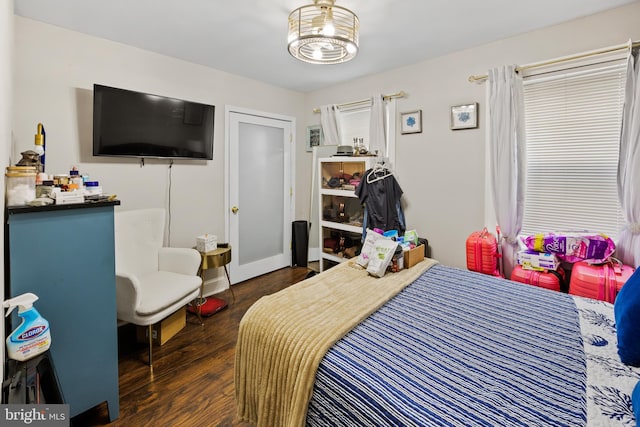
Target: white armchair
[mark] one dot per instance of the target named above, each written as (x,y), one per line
(152,281)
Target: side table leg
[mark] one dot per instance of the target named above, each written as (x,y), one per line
(198,301)
(233,295)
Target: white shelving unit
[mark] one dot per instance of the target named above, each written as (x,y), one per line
(340,211)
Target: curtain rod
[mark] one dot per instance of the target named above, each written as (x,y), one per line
(400,94)
(480,78)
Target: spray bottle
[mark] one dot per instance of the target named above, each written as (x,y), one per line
(32,337)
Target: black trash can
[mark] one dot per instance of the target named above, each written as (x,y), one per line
(299,243)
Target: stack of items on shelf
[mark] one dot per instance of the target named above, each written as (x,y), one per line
(384,251)
(63,189)
(343,181)
(343,210)
(26,187)
(594,272)
(341,244)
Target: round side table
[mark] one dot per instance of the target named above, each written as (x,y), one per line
(216,258)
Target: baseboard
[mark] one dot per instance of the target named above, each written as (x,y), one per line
(314,254)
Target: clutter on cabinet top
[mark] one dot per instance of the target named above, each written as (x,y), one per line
(30,158)
(344,150)
(28,184)
(24,186)
(359,148)
(35,157)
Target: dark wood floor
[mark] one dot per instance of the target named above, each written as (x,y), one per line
(192,379)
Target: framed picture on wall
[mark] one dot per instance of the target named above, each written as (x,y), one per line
(464,116)
(411,122)
(314,137)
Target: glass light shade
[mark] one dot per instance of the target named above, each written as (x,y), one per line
(323,33)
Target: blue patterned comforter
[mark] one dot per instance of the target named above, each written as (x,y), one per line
(457,348)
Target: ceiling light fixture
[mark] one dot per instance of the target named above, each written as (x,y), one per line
(323,33)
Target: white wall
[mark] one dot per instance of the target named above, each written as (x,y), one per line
(442,171)
(55,70)
(6,43)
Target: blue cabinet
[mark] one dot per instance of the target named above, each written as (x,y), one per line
(65,255)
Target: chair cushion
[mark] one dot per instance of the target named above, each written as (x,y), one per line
(139,235)
(161,289)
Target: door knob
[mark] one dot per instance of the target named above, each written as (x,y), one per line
(234,209)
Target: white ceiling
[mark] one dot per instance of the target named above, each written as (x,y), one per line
(248,37)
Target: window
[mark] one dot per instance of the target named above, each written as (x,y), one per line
(573,120)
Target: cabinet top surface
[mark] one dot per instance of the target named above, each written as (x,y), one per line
(12,210)
(338,159)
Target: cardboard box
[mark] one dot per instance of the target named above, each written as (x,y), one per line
(413,256)
(540,261)
(165,329)
(206,243)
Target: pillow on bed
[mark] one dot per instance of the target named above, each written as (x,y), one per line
(635,401)
(626,310)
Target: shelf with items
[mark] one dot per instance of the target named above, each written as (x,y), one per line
(338,211)
(340,173)
(343,227)
(341,213)
(340,245)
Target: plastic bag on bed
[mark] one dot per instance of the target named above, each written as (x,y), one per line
(370,240)
(572,246)
(380,257)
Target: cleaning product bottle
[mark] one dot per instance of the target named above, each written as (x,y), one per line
(32,337)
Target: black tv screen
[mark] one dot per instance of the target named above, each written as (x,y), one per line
(134,124)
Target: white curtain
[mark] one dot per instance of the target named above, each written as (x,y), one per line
(329,123)
(628,244)
(507,154)
(376,127)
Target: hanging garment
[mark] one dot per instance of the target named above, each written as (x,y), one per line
(380,193)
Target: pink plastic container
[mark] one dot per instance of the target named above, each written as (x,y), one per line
(548,279)
(599,281)
(482,252)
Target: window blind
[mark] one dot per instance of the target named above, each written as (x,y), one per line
(573,121)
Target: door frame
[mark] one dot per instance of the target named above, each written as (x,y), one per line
(227,163)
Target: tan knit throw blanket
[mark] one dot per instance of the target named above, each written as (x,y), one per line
(284,336)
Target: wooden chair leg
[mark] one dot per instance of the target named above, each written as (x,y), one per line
(150,346)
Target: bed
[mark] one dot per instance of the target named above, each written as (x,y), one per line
(430,345)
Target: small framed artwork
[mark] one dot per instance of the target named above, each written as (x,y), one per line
(464,116)
(314,136)
(411,122)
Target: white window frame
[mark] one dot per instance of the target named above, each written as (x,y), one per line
(354,122)
(540,74)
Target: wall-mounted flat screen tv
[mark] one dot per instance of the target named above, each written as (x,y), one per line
(134,124)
